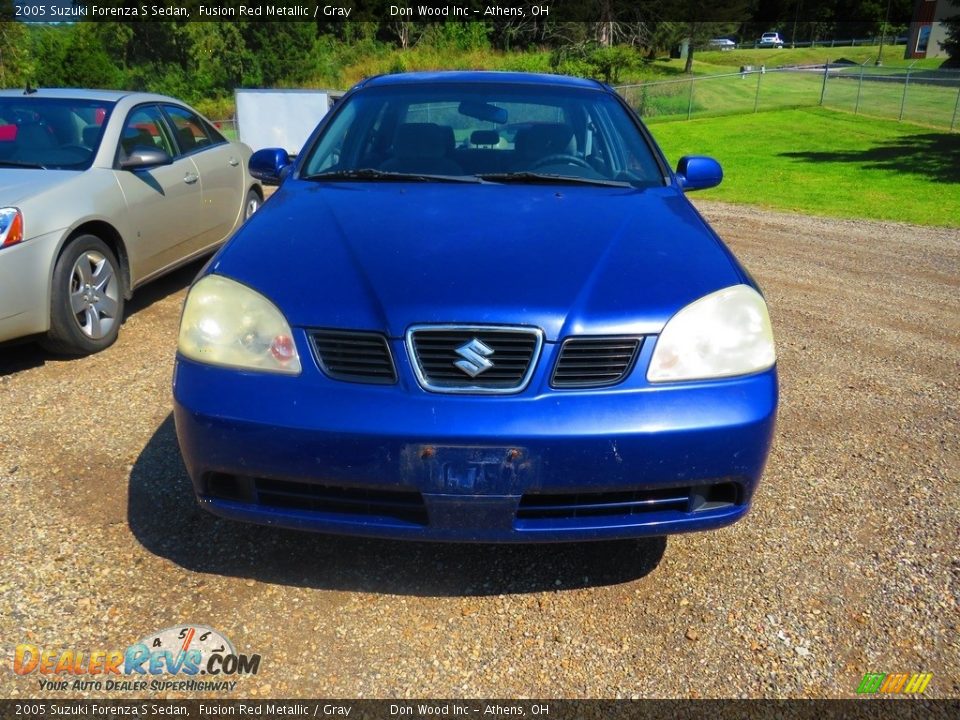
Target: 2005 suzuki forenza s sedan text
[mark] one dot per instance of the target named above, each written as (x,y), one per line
(478,308)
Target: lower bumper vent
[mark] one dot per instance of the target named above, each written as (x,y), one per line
(632,502)
(406,506)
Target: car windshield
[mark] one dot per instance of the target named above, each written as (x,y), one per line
(48,133)
(497,132)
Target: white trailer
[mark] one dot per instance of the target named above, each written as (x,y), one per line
(281,118)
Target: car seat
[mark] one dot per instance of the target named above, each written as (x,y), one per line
(536,142)
(423,148)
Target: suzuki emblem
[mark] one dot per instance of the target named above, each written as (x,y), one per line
(474,354)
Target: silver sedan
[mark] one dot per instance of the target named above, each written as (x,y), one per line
(100,192)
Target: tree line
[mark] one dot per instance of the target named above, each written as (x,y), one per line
(208,60)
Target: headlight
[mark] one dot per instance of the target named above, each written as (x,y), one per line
(11,226)
(722,334)
(227,323)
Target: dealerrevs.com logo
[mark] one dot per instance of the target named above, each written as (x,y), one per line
(188,651)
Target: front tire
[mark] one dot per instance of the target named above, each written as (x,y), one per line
(251,204)
(86,304)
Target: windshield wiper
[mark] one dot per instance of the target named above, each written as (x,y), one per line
(389,176)
(535,177)
(14,163)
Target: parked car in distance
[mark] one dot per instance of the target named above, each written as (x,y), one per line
(722,44)
(770,40)
(530,337)
(101,191)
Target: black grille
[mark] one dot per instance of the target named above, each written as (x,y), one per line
(513,358)
(403,505)
(630,502)
(354,356)
(594,362)
(399,505)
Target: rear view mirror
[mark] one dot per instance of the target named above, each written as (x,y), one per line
(483,111)
(141,157)
(698,172)
(268,165)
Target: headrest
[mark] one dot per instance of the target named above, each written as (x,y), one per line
(423,140)
(187,139)
(136,137)
(543,140)
(34,135)
(484,137)
(90,134)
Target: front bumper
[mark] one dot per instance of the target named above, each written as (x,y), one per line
(25,271)
(395,461)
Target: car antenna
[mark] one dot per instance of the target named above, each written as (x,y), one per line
(29,90)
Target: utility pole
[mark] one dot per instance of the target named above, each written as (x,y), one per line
(3,73)
(793,35)
(883,32)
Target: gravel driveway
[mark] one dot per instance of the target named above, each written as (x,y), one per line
(847,564)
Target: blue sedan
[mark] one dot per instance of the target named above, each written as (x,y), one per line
(479,307)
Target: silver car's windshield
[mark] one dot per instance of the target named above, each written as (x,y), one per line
(51,133)
(490,131)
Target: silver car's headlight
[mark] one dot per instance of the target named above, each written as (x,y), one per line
(11,226)
(227,323)
(722,334)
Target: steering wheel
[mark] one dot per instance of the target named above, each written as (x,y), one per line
(561,159)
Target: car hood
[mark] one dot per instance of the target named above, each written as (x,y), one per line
(18,184)
(568,259)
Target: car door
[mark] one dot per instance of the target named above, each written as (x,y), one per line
(164,202)
(221,170)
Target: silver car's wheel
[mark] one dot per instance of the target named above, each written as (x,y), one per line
(252,204)
(94,294)
(86,307)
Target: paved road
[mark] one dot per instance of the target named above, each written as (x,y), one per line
(847,564)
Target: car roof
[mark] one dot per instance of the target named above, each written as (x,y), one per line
(84,94)
(482,76)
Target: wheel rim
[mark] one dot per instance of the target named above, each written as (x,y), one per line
(94,295)
(253,204)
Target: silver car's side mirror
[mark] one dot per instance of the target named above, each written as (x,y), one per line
(141,157)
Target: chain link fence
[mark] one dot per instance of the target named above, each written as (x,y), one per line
(927,97)
(228,128)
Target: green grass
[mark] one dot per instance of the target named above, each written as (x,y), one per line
(929,101)
(705,62)
(433,58)
(932,101)
(713,61)
(430,58)
(823,162)
(724,95)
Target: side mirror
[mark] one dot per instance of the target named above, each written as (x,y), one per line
(698,172)
(141,157)
(269,165)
